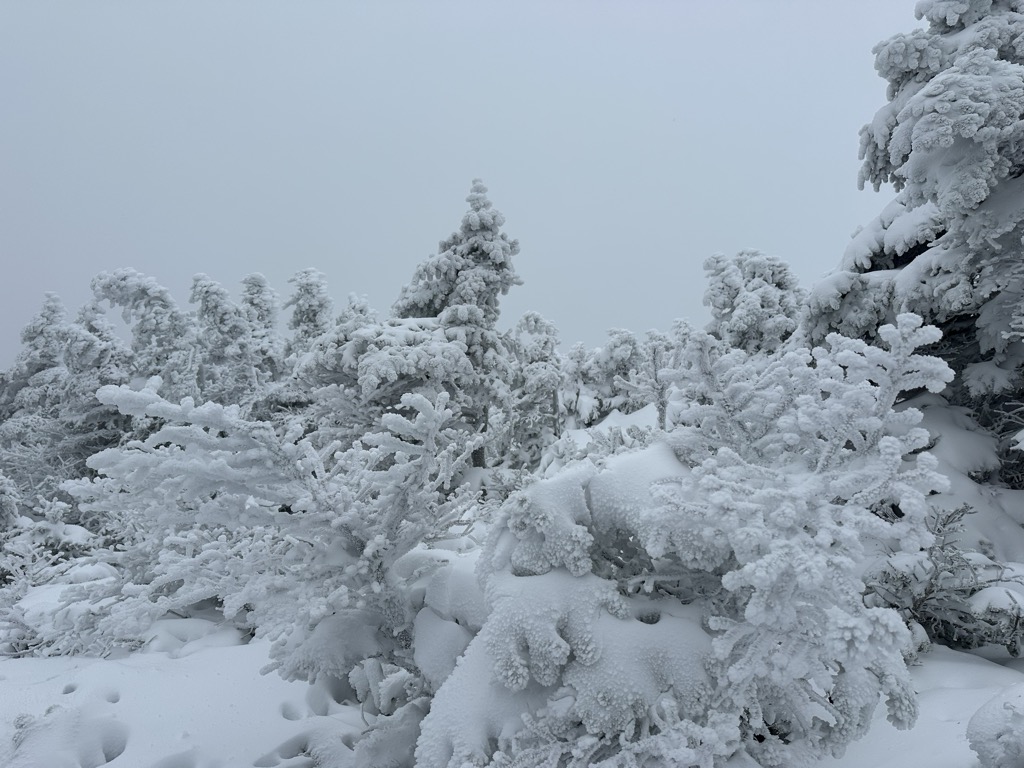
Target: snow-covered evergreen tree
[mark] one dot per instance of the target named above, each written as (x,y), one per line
(461,286)
(651,382)
(42,350)
(755,515)
(260,305)
(755,300)
(226,371)
(210,508)
(536,419)
(608,378)
(51,420)
(94,356)
(951,142)
(30,403)
(472,267)
(240,350)
(164,339)
(312,310)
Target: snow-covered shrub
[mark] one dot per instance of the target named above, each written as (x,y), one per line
(50,420)
(34,553)
(739,538)
(961,598)
(402,486)
(593,379)
(572,671)
(290,541)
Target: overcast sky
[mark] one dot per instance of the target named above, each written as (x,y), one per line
(625,142)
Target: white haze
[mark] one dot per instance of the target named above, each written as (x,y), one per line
(625,143)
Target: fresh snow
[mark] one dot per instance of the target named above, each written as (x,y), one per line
(198,702)
(201,704)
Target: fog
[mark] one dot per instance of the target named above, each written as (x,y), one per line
(624,142)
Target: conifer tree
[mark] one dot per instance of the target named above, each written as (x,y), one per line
(537,418)
(42,344)
(472,267)
(94,357)
(164,339)
(950,141)
(52,421)
(226,373)
(755,300)
(461,286)
(312,310)
(31,402)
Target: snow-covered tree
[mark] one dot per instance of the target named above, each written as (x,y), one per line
(356,315)
(599,381)
(42,350)
(536,418)
(226,370)
(260,305)
(754,515)
(951,142)
(164,339)
(94,356)
(281,535)
(461,286)
(52,421)
(472,267)
(651,382)
(30,403)
(312,310)
(240,350)
(755,300)
(350,378)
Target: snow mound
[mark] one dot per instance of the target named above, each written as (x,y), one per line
(996,731)
(67,738)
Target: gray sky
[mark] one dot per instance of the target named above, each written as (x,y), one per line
(624,141)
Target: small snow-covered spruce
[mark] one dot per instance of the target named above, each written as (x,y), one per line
(406,490)
(50,420)
(34,552)
(296,543)
(236,347)
(312,310)
(472,267)
(755,300)
(536,418)
(164,339)
(651,382)
(260,306)
(209,506)
(358,371)
(961,598)
(757,512)
(602,380)
(800,459)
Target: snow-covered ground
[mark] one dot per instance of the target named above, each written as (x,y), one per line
(951,687)
(201,702)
